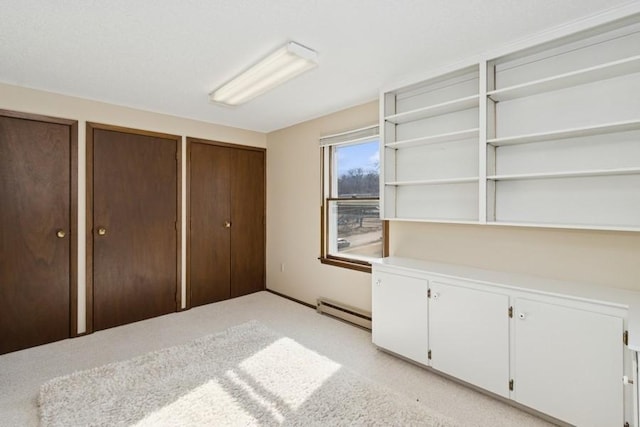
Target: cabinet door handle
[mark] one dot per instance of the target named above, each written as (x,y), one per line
(435,295)
(522,316)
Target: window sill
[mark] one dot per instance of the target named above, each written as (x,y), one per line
(351,265)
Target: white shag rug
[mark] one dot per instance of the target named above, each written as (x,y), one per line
(246,375)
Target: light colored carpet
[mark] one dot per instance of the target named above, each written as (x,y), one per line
(246,375)
(22,373)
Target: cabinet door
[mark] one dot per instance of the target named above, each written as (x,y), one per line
(399,315)
(569,363)
(469,335)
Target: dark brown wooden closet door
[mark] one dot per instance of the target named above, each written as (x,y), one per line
(209,256)
(35,203)
(248,228)
(134,227)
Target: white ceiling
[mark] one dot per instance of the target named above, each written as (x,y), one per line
(167,55)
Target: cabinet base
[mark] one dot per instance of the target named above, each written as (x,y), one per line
(509,402)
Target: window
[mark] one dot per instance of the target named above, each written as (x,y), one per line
(352,232)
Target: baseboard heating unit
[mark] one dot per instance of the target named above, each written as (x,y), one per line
(344,312)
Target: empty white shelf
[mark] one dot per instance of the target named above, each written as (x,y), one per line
(435,139)
(566,174)
(434,220)
(435,181)
(566,133)
(586,75)
(435,110)
(564,225)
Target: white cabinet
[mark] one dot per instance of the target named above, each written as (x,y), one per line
(469,334)
(568,363)
(547,135)
(400,315)
(556,347)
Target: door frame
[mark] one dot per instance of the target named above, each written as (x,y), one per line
(91,126)
(190,141)
(73,206)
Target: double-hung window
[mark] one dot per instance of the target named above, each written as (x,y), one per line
(352,231)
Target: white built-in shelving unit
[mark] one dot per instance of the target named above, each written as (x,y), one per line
(546,135)
(431,133)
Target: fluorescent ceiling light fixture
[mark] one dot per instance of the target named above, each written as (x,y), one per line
(284,64)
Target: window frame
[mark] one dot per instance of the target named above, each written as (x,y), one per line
(329,179)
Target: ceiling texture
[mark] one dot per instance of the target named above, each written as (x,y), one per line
(167,55)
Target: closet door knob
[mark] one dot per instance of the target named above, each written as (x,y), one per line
(61,234)
(102,231)
(227,224)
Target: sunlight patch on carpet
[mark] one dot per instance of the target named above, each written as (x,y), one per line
(268,404)
(246,375)
(289,371)
(212,395)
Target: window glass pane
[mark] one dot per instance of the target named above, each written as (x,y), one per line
(358,169)
(355,229)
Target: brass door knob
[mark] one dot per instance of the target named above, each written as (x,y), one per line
(102,231)
(227,224)
(61,234)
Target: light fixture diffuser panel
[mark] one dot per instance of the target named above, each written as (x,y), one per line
(282,65)
(302,52)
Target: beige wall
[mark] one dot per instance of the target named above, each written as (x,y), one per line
(68,107)
(293,212)
(601,257)
(293,218)
(39,102)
